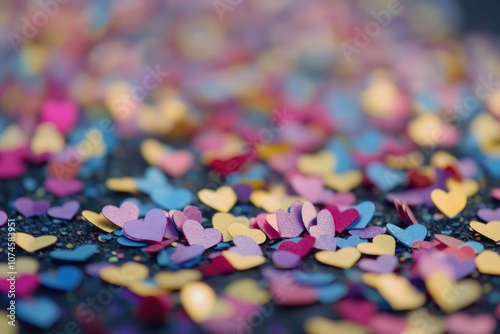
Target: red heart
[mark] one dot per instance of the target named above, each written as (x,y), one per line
(229,166)
(154,309)
(218,266)
(358,311)
(342,219)
(301,248)
(462,253)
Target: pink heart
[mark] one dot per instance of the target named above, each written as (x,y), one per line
(176,163)
(463,323)
(290,224)
(360,311)
(119,216)
(25,285)
(309,214)
(196,235)
(3,217)
(292,294)
(381,265)
(63,114)
(29,208)
(383,323)
(189,213)
(152,228)
(60,187)
(283,163)
(11,165)
(342,218)
(265,227)
(309,187)
(495,193)
(325,224)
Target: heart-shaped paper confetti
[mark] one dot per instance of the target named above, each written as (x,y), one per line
(290,224)
(222,199)
(240,262)
(324,224)
(468,187)
(221,221)
(302,248)
(343,258)
(32,244)
(198,300)
(381,245)
(29,208)
(119,216)
(172,198)
(320,163)
(488,214)
(488,263)
(175,280)
(381,265)
(409,235)
(41,312)
(152,228)
(399,293)
(196,235)
(368,232)
(125,274)
(79,254)
(452,296)
(183,254)
(245,245)
(98,220)
(326,242)
(61,187)
(451,203)
(342,219)
(239,229)
(65,278)
(365,211)
(490,230)
(66,211)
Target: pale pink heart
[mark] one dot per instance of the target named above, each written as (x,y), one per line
(384,323)
(283,163)
(63,114)
(272,221)
(495,193)
(152,228)
(342,200)
(310,188)
(176,163)
(309,214)
(197,235)
(463,323)
(119,216)
(61,187)
(290,224)
(261,222)
(189,213)
(324,224)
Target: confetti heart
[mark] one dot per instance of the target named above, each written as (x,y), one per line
(320,163)
(239,229)
(383,177)
(3,217)
(172,199)
(196,235)
(352,241)
(32,244)
(489,215)
(331,293)
(264,226)
(311,188)
(64,278)
(152,228)
(125,274)
(381,265)
(98,220)
(124,241)
(79,254)
(189,213)
(381,245)
(452,296)
(222,199)
(153,179)
(29,208)
(468,187)
(342,219)
(66,211)
(318,325)
(399,292)
(451,203)
(239,262)
(26,284)
(24,265)
(171,230)
(292,294)
(285,259)
(218,266)
(47,140)
(63,114)
(343,258)
(221,221)
(488,263)
(368,232)
(61,187)
(245,246)
(365,211)
(119,216)
(302,248)
(463,323)
(183,253)
(309,215)
(40,312)
(176,163)
(490,230)
(324,224)
(326,242)
(175,280)
(123,184)
(248,290)
(344,182)
(243,192)
(448,241)
(290,224)
(198,300)
(409,235)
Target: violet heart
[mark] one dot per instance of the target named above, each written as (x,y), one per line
(368,232)
(3,217)
(61,187)
(119,216)
(285,259)
(310,188)
(290,224)
(461,323)
(324,224)
(152,228)
(189,213)
(461,268)
(197,235)
(29,208)
(326,242)
(243,191)
(489,215)
(171,230)
(244,245)
(65,211)
(381,265)
(184,253)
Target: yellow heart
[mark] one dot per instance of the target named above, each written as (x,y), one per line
(490,230)
(152,151)
(32,244)
(198,300)
(383,244)
(452,296)
(47,139)
(239,229)
(269,150)
(240,262)
(5,328)
(488,263)
(144,289)
(98,220)
(248,290)
(273,200)
(320,325)
(442,160)
(342,258)
(221,221)
(12,137)
(321,163)
(222,199)
(24,265)
(399,292)
(122,184)
(345,181)
(422,322)
(175,280)
(451,203)
(468,187)
(125,274)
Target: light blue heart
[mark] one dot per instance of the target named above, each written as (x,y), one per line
(65,278)
(313,278)
(79,254)
(40,312)
(331,293)
(153,178)
(383,177)
(352,241)
(478,247)
(366,211)
(172,199)
(124,241)
(409,235)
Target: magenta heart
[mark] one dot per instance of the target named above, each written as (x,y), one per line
(152,228)
(171,230)
(184,253)
(309,187)
(196,235)
(290,224)
(381,265)
(119,216)
(342,218)
(29,208)
(26,284)
(367,232)
(11,165)
(65,211)
(383,323)
(324,224)
(495,193)
(189,213)
(463,323)
(244,245)
(265,227)
(61,187)
(63,114)
(489,215)
(3,217)
(326,242)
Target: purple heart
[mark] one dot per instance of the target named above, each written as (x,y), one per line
(63,187)
(367,233)
(65,211)
(489,215)
(381,265)
(29,208)
(185,253)
(311,188)
(196,235)
(152,228)
(290,224)
(243,192)
(189,213)
(3,218)
(326,242)
(245,246)
(119,216)
(285,259)
(461,268)
(171,230)
(325,224)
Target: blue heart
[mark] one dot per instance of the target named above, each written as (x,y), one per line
(352,241)
(409,235)
(124,241)
(331,293)
(153,178)
(383,177)
(65,278)
(40,312)
(163,259)
(256,173)
(79,254)
(313,278)
(172,199)
(366,211)
(344,160)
